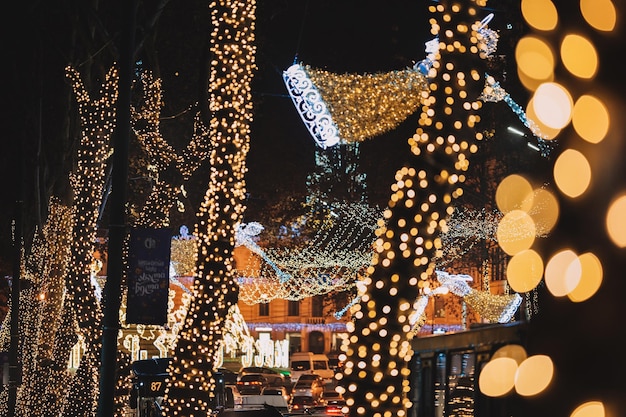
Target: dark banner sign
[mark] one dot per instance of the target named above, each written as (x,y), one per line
(148,276)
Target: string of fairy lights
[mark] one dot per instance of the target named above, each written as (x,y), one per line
(230,105)
(42,316)
(384,101)
(375,377)
(324,264)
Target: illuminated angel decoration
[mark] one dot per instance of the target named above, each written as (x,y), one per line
(494,308)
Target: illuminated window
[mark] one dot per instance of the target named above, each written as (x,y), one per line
(293,308)
(264,309)
(317,306)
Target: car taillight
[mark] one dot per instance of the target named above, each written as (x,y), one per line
(333,409)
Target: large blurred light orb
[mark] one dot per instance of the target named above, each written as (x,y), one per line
(530,83)
(534,58)
(590,278)
(547,132)
(545,211)
(616,221)
(514,193)
(524,271)
(553,105)
(516,232)
(590,119)
(600,14)
(572,173)
(516,352)
(589,409)
(562,273)
(497,378)
(579,56)
(534,375)
(540,14)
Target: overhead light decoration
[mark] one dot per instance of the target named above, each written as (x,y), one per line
(326,102)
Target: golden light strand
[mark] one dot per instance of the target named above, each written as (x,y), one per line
(377,384)
(230,104)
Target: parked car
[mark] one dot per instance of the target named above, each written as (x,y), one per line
(301,404)
(329,410)
(311,385)
(277,390)
(272,376)
(251,384)
(234,399)
(330,396)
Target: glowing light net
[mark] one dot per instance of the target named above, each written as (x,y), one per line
(338,256)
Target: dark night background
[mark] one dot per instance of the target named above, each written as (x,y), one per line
(39,39)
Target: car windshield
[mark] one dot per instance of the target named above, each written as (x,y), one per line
(300,365)
(273,391)
(252,378)
(252,370)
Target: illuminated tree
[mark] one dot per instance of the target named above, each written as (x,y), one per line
(230,105)
(376,370)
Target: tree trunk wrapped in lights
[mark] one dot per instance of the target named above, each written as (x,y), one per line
(376,373)
(230,105)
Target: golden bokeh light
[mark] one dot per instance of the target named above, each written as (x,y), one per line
(591,118)
(563,273)
(516,352)
(545,211)
(534,58)
(530,83)
(514,193)
(590,278)
(497,377)
(600,14)
(589,409)
(616,221)
(524,271)
(553,105)
(572,173)
(534,375)
(516,232)
(548,132)
(579,56)
(540,14)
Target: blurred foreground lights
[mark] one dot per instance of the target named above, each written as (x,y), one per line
(589,409)
(553,105)
(516,232)
(540,14)
(524,271)
(544,211)
(563,273)
(514,193)
(591,276)
(510,368)
(577,277)
(591,119)
(497,378)
(534,375)
(572,173)
(616,221)
(579,56)
(600,14)
(516,352)
(535,61)
(549,133)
